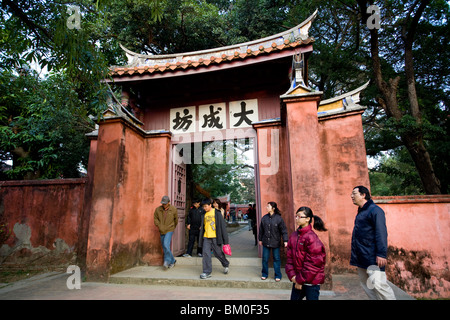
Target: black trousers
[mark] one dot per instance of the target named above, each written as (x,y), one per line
(193,236)
(310,292)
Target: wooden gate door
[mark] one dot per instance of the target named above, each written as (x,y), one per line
(178,200)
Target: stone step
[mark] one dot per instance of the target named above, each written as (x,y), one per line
(189,275)
(234,261)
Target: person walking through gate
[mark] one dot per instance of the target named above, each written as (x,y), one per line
(194,222)
(369,246)
(166,220)
(252,217)
(305,259)
(213,234)
(217,204)
(271,229)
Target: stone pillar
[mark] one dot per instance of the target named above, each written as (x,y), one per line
(344,158)
(104,190)
(130,177)
(307,172)
(273,172)
(83,227)
(155,185)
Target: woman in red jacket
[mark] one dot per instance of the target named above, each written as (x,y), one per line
(306,256)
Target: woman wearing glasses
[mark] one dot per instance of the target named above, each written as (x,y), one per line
(306,256)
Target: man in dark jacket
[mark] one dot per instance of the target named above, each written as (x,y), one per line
(369,246)
(193,224)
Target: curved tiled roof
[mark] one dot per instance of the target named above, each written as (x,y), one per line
(139,64)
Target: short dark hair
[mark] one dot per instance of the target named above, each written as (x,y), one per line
(207,201)
(363,190)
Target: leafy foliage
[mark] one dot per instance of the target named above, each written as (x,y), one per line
(395,175)
(45,131)
(219,174)
(31,31)
(43,119)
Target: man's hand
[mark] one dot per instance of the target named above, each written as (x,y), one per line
(381,262)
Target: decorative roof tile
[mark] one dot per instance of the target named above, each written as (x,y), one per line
(149,64)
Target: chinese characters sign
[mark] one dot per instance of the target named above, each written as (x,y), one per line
(241,114)
(182,120)
(212,117)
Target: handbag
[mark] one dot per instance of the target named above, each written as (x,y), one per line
(227,249)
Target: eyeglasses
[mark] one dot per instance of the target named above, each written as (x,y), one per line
(300,217)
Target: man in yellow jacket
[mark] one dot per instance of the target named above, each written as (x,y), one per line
(166,219)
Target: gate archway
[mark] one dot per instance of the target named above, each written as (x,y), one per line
(309,152)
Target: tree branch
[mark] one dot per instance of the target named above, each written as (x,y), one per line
(409,63)
(34,27)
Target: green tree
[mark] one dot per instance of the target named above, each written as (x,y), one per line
(45,132)
(395,175)
(399,96)
(224,170)
(181,26)
(406,59)
(43,121)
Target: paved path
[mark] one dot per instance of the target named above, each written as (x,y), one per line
(53,285)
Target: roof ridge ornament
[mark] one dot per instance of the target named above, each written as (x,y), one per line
(297,33)
(298,68)
(117,109)
(350,98)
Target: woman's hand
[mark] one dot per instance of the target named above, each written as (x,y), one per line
(297,285)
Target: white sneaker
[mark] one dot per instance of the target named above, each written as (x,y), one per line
(225,270)
(205,275)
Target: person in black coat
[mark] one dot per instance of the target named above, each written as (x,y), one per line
(193,224)
(251,213)
(271,230)
(369,246)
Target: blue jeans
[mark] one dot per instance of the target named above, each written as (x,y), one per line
(310,292)
(165,242)
(276,262)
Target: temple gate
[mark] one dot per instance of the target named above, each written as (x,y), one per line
(308,152)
